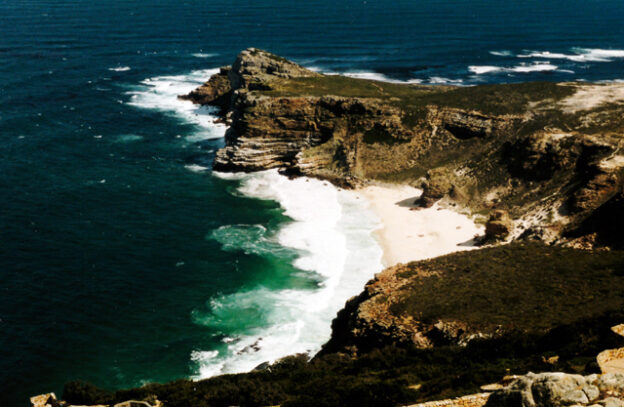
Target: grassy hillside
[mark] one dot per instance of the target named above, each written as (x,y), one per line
(525,286)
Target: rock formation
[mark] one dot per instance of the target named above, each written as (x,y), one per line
(499,226)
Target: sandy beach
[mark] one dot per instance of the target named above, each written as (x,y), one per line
(410,233)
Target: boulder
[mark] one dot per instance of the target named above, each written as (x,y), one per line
(560,389)
(499,226)
(44,400)
(611,383)
(611,402)
(439,184)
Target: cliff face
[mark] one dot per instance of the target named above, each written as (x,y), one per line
(539,151)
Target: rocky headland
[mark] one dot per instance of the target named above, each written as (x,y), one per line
(538,163)
(547,155)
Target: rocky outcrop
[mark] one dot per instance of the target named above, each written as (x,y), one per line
(44,400)
(560,389)
(464,124)
(253,69)
(612,360)
(473,400)
(49,400)
(499,226)
(216,92)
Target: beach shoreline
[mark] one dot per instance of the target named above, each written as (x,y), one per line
(411,233)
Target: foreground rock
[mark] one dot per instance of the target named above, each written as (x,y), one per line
(44,400)
(544,390)
(49,400)
(559,389)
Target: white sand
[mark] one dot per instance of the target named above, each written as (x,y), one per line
(414,234)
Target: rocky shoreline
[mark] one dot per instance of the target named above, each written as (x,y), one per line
(535,160)
(538,163)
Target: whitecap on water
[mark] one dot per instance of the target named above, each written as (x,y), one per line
(438,80)
(204,55)
(195,168)
(161,93)
(502,53)
(579,55)
(119,69)
(375,76)
(521,68)
(331,230)
(249,239)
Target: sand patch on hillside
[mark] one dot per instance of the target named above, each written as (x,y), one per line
(589,97)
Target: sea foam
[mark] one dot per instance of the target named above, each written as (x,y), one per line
(331,230)
(161,93)
(204,55)
(522,68)
(579,55)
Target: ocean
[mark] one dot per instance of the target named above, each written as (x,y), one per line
(124,260)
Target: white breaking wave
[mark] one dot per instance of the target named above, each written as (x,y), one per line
(370,75)
(481,69)
(161,93)
(438,80)
(434,80)
(579,55)
(502,53)
(120,69)
(535,67)
(522,68)
(195,168)
(331,229)
(204,55)
(374,76)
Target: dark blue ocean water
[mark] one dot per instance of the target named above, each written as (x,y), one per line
(115,247)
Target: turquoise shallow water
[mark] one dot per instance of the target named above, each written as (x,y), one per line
(123,261)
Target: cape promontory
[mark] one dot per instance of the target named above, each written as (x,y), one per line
(547,154)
